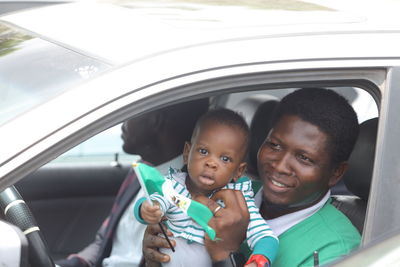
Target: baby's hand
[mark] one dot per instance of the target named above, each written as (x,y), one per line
(151,214)
(257,260)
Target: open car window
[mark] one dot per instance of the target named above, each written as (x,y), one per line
(104,147)
(91,166)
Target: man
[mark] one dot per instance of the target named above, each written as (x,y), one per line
(158,137)
(304,155)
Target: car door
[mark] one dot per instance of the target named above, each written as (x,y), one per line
(72,195)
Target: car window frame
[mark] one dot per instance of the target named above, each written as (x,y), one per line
(179,89)
(211,82)
(382,218)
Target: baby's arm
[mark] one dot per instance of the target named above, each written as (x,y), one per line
(147,214)
(260,238)
(151,213)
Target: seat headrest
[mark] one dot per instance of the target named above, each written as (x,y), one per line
(257,111)
(359,174)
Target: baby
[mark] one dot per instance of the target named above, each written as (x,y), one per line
(215,159)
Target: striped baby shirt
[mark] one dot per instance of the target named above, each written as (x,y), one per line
(259,236)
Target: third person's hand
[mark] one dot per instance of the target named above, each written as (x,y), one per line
(230,222)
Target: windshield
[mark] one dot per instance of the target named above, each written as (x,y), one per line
(33,70)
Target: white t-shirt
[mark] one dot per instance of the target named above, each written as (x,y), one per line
(282,223)
(127,244)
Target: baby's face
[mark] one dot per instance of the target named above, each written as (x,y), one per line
(215,157)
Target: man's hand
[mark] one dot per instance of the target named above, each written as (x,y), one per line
(151,213)
(230,222)
(152,242)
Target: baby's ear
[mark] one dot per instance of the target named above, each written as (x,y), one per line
(240,171)
(186,151)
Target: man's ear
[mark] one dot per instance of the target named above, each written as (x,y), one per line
(338,173)
(186,151)
(240,171)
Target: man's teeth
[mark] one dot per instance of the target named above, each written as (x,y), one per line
(278,184)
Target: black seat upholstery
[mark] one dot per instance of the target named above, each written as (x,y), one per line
(257,111)
(358,177)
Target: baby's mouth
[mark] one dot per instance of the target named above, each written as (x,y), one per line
(206,179)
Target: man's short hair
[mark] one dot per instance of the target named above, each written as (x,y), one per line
(327,110)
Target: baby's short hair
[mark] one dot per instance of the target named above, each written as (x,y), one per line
(225,117)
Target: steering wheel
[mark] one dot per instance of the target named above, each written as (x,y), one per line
(17,212)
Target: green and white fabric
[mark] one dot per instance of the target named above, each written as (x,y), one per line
(154,183)
(260,237)
(320,228)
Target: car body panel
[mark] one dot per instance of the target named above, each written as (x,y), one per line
(181,27)
(382,252)
(386,182)
(9,6)
(117,33)
(169,61)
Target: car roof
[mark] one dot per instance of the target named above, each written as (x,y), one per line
(118,34)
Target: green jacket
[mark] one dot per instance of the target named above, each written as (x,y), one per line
(328,231)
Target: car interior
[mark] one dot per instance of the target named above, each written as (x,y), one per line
(351,195)
(357,178)
(71,199)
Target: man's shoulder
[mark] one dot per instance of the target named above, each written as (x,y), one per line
(336,221)
(327,227)
(328,222)
(328,231)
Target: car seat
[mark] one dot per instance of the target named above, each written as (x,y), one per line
(257,111)
(359,175)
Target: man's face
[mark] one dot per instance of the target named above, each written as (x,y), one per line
(214,157)
(294,163)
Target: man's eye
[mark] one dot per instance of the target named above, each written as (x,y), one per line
(304,158)
(203,151)
(274,146)
(226,159)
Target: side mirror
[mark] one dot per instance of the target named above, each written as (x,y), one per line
(14,246)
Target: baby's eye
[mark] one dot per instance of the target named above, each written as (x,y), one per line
(203,151)
(226,159)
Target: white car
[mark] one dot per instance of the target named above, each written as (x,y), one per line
(70,71)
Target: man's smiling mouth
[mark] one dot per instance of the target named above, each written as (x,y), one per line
(281,185)
(278,184)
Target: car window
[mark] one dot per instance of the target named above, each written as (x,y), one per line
(105,146)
